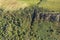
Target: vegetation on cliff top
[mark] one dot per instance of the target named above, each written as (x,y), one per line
(16,4)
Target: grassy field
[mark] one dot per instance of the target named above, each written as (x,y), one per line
(16,4)
(51,4)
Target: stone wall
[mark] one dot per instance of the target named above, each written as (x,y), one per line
(49,16)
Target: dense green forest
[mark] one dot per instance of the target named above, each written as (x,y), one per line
(28,24)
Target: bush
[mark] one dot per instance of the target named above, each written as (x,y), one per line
(16,25)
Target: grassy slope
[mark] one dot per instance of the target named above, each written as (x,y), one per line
(51,4)
(17,26)
(16,4)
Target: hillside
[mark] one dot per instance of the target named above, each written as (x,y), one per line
(29,20)
(16,4)
(51,4)
(29,24)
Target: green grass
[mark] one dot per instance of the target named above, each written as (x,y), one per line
(16,4)
(51,4)
(30,1)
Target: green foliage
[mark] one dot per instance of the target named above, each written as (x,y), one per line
(16,25)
